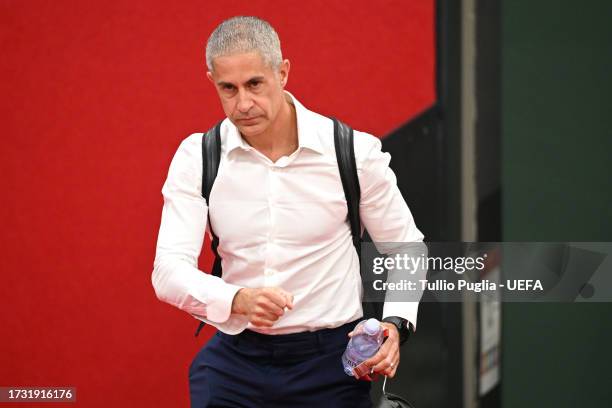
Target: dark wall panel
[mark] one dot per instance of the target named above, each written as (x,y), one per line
(556,144)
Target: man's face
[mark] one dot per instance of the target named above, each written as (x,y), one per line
(251,91)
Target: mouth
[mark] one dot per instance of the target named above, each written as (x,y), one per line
(248,120)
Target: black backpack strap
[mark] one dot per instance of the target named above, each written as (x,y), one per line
(345,154)
(211,157)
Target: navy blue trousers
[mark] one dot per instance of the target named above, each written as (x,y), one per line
(295,370)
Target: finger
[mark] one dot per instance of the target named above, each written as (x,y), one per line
(259,322)
(390,372)
(289,297)
(265,316)
(278,296)
(394,370)
(390,369)
(383,366)
(380,355)
(389,365)
(264,305)
(391,358)
(361,371)
(371,377)
(275,296)
(272,317)
(365,378)
(268,306)
(350,334)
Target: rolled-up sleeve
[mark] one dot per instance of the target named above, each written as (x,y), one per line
(386,216)
(176,277)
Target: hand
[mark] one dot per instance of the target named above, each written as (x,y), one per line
(262,306)
(386,360)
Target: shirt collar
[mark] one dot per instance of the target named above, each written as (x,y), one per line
(308,135)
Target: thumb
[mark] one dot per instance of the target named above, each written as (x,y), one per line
(290,301)
(288,298)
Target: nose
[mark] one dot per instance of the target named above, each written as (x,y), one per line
(244,101)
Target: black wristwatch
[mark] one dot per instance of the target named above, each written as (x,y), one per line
(404,327)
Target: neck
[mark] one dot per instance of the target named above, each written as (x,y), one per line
(280,138)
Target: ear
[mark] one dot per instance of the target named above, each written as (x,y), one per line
(209,75)
(284,72)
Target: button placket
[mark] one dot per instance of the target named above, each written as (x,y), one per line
(269,271)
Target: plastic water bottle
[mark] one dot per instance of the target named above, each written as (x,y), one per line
(367,337)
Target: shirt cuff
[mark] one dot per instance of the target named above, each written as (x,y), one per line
(219,307)
(406,310)
(234,325)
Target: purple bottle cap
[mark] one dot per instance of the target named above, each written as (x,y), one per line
(371,326)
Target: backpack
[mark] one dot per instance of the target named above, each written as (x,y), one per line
(345,155)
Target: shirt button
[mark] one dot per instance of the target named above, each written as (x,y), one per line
(269,272)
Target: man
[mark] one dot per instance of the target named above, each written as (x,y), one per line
(291,289)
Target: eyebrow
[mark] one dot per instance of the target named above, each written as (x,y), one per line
(250,80)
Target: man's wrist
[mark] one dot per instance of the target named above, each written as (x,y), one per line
(237,304)
(404,327)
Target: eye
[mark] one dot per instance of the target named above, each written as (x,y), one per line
(227,87)
(254,84)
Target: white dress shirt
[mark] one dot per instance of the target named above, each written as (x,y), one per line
(280,223)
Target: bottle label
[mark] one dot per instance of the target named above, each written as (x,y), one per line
(362,369)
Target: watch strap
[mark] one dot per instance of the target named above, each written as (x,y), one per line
(404,327)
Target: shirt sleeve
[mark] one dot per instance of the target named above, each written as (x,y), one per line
(388,220)
(176,277)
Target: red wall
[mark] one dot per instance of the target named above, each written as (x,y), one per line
(95,99)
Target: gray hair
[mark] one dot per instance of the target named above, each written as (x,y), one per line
(244,34)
